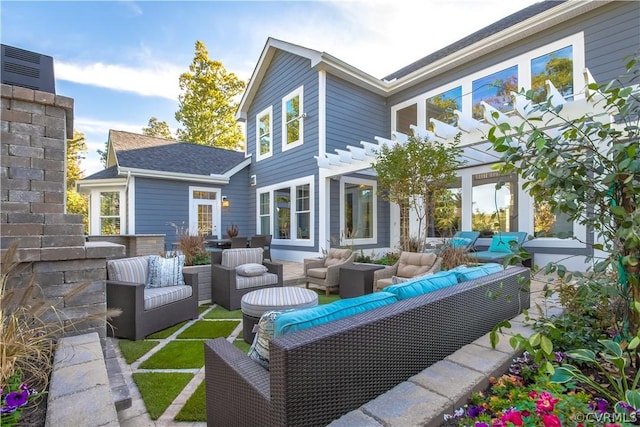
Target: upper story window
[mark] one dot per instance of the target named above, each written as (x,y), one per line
(557,67)
(561,62)
(264,134)
(495,89)
(442,106)
(292,124)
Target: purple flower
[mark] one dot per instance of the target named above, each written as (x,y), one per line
(8,409)
(482,425)
(475,411)
(560,356)
(598,405)
(16,399)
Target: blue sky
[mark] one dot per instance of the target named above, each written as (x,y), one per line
(120,60)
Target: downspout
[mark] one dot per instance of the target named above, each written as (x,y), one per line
(126,196)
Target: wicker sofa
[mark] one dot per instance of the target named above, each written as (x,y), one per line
(319,374)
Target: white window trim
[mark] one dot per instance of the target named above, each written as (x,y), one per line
(307,180)
(298,92)
(94,209)
(266,112)
(362,241)
(193,212)
(523,61)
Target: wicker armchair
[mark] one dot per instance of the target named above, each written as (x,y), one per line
(410,264)
(325,272)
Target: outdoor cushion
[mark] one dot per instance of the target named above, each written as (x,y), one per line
(318,273)
(234,257)
(244,282)
(165,271)
(502,243)
(259,350)
(469,273)
(413,264)
(422,285)
(336,256)
(132,270)
(251,269)
(460,242)
(297,320)
(156,297)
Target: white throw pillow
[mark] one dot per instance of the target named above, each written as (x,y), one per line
(165,271)
(251,269)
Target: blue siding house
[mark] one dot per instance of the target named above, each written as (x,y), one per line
(313,123)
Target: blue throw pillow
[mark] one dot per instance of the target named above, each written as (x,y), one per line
(502,243)
(469,273)
(423,284)
(296,320)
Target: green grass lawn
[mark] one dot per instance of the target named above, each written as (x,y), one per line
(184,351)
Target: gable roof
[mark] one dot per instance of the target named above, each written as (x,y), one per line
(144,155)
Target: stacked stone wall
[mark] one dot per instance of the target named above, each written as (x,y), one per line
(51,245)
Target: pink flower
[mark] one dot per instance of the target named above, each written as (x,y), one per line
(512,416)
(533,394)
(546,402)
(550,420)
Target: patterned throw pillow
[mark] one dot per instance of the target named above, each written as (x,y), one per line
(251,269)
(165,271)
(259,350)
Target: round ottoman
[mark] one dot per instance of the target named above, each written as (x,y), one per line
(255,303)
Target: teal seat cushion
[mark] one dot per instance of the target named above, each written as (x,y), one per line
(460,242)
(469,273)
(423,284)
(297,320)
(502,244)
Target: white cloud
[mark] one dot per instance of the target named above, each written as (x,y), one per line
(159,80)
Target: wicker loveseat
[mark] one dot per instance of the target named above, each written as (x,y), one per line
(145,308)
(319,374)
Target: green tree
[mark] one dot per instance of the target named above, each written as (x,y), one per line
(589,171)
(103,154)
(76,202)
(206,106)
(158,129)
(417,173)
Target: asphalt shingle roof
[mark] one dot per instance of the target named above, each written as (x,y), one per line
(165,155)
(479,35)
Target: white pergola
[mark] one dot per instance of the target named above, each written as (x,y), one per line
(473,133)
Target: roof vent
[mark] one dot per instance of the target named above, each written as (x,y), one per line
(27,69)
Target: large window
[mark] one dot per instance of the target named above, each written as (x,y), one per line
(406,117)
(358,210)
(442,106)
(495,89)
(448,212)
(286,211)
(494,209)
(264,134)
(549,222)
(292,124)
(110,212)
(557,67)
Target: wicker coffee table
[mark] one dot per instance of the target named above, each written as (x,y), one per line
(254,304)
